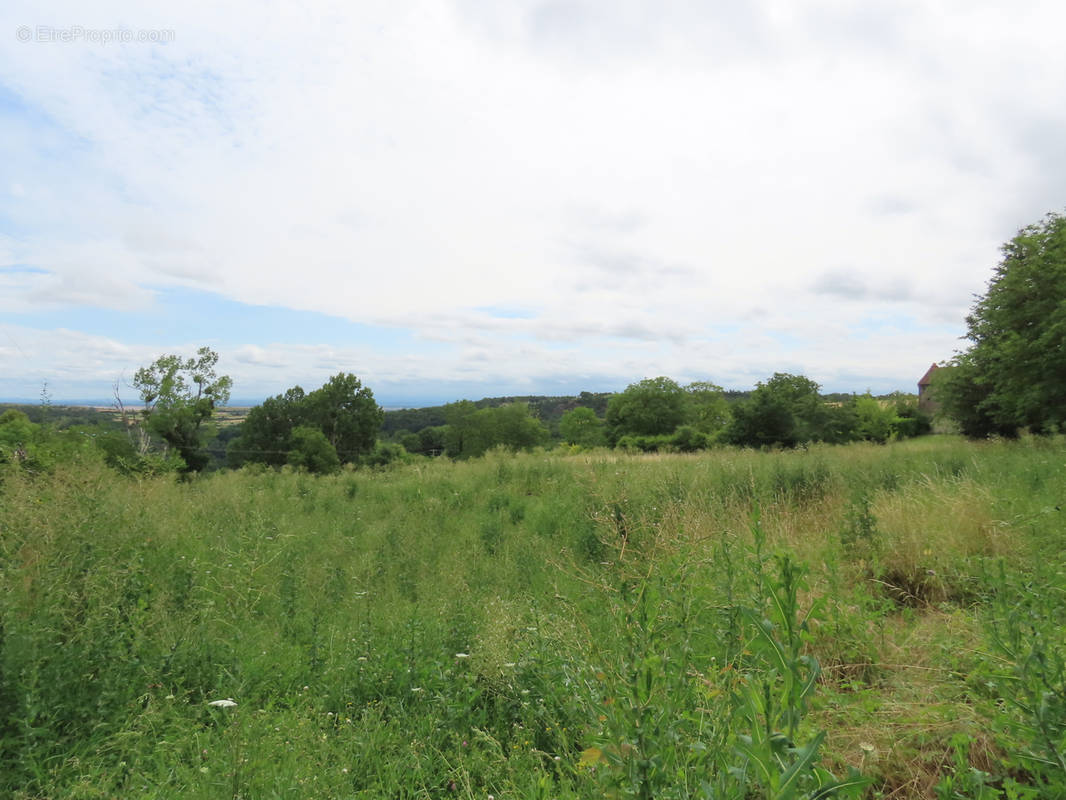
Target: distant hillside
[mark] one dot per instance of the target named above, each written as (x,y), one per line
(548,410)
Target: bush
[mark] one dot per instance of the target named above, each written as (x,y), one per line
(312,451)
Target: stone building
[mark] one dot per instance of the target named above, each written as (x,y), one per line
(925,400)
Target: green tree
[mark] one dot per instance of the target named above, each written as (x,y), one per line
(1014,373)
(343,411)
(431,440)
(459,428)
(179,396)
(874,422)
(346,412)
(17,436)
(707,409)
(651,407)
(409,441)
(581,426)
(266,433)
(312,451)
(786,410)
(472,431)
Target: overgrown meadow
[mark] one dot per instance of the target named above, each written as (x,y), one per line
(851,621)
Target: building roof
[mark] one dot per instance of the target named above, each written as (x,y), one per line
(927,378)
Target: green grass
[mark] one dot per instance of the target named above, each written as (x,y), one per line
(536,626)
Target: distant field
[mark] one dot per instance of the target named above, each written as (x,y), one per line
(542,626)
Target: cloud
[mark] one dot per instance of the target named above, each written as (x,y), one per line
(642,180)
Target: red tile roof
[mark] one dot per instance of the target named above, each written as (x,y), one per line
(927,378)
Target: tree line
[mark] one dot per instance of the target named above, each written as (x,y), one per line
(1012,378)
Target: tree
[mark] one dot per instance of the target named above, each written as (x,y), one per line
(1014,373)
(873,421)
(266,433)
(472,431)
(651,407)
(582,427)
(343,411)
(459,427)
(179,396)
(708,410)
(786,410)
(312,451)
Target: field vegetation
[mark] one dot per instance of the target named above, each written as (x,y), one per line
(857,620)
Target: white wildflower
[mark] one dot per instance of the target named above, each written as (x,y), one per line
(227,703)
(462,655)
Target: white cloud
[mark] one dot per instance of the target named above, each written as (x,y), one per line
(640,176)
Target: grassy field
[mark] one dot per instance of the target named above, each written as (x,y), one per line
(726,625)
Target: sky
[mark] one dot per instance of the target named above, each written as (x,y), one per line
(463,198)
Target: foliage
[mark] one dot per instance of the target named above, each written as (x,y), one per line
(533,626)
(548,409)
(651,407)
(383,454)
(16,433)
(910,420)
(582,427)
(342,410)
(471,432)
(1014,373)
(179,395)
(873,421)
(431,440)
(708,410)
(345,411)
(312,451)
(684,439)
(787,410)
(265,435)
(775,697)
(1029,633)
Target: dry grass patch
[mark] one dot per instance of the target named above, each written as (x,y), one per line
(900,731)
(930,537)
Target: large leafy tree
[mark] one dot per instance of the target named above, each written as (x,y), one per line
(581,426)
(472,431)
(266,433)
(1014,373)
(343,412)
(707,409)
(179,396)
(787,410)
(346,412)
(651,407)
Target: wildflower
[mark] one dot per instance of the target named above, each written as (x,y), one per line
(227,703)
(416,689)
(462,655)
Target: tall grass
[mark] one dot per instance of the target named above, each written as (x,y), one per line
(525,626)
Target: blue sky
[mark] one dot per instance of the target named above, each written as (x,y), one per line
(460,199)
